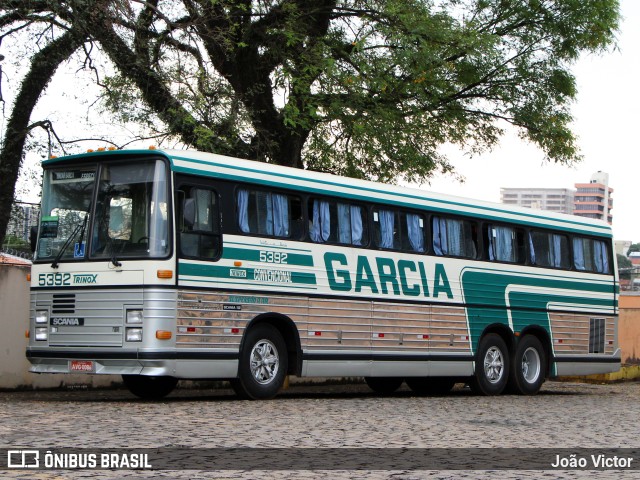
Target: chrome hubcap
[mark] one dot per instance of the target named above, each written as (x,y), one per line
(264,362)
(493,365)
(531,365)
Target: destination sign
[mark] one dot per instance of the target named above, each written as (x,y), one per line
(66,175)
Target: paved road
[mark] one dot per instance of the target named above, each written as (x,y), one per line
(563,415)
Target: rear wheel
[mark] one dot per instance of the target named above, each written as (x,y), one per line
(263,364)
(527,370)
(492,366)
(150,388)
(384,385)
(430,385)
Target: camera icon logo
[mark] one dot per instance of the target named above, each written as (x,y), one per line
(23,459)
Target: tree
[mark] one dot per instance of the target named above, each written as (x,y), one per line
(364,88)
(635,247)
(623,262)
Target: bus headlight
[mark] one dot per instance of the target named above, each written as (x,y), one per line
(42,316)
(134,316)
(42,333)
(134,335)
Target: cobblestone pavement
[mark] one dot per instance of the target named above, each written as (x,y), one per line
(563,415)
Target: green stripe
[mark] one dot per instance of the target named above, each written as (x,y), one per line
(106,153)
(296,259)
(245,286)
(222,272)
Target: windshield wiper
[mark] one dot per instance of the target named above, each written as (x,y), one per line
(81,226)
(113,258)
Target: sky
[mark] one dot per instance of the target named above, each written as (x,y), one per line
(606,122)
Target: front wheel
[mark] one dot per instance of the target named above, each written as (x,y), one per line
(263,364)
(149,388)
(492,366)
(527,369)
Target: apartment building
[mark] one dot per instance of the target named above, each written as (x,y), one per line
(593,199)
(553,199)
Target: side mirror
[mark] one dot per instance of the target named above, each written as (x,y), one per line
(189,212)
(33,238)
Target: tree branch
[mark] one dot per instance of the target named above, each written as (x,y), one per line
(43,65)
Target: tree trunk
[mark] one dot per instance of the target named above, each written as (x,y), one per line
(43,66)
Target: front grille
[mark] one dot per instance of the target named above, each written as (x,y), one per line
(63,303)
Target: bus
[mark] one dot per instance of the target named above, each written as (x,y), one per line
(160,265)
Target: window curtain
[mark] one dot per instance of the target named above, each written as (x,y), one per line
(414,231)
(356,224)
(454,237)
(321,222)
(243,210)
(532,250)
(578,254)
(440,246)
(349,224)
(344,224)
(277,215)
(387,219)
(557,251)
(501,246)
(601,257)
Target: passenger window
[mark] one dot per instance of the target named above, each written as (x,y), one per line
(399,230)
(267,213)
(504,244)
(590,255)
(323,221)
(199,223)
(337,222)
(454,237)
(548,249)
(412,228)
(386,231)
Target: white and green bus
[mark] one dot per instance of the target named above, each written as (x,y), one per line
(166,265)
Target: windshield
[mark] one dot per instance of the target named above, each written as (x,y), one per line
(131,211)
(66,199)
(129,218)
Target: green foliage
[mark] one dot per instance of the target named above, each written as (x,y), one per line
(635,247)
(364,88)
(623,262)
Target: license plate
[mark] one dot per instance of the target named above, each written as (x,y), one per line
(84,366)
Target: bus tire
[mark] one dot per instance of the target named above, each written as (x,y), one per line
(492,366)
(384,385)
(263,364)
(430,385)
(149,388)
(528,366)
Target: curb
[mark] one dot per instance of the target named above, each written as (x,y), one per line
(627,372)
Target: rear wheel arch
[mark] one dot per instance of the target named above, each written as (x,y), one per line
(504,332)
